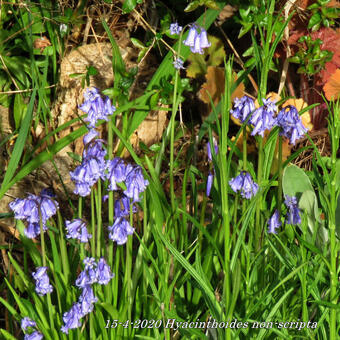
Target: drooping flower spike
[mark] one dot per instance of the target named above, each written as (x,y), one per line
(245,184)
(77,229)
(87,300)
(243,108)
(72,318)
(120,230)
(274,223)
(210,179)
(96,107)
(31,208)
(42,281)
(263,117)
(197,39)
(293,216)
(290,123)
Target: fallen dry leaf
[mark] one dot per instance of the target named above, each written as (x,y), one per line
(214,86)
(332,86)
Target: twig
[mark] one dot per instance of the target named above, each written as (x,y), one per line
(238,58)
(288,6)
(27,90)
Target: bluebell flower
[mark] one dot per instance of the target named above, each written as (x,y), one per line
(274,223)
(82,189)
(94,149)
(93,133)
(120,230)
(116,172)
(293,216)
(87,300)
(135,183)
(178,64)
(72,318)
(87,173)
(290,123)
(210,181)
(243,108)
(104,273)
(77,229)
(33,230)
(204,42)
(42,281)
(175,28)
(211,175)
(27,322)
(89,275)
(89,263)
(122,207)
(263,117)
(96,107)
(209,149)
(195,40)
(33,336)
(48,207)
(245,184)
(190,40)
(28,208)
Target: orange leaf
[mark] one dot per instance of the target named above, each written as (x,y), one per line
(332,87)
(214,86)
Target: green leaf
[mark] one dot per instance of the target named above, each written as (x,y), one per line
(296,183)
(128,6)
(337,217)
(314,20)
(212,4)
(20,143)
(19,109)
(137,43)
(192,6)
(92,71)
(7,336)
(246,28)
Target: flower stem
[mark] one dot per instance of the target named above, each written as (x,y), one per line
(172,137)
(111,213)
(80,211)
(258,206)
(93,225)
(279,191)
(99,218)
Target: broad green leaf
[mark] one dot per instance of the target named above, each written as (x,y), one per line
(296,183)
(314,20)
